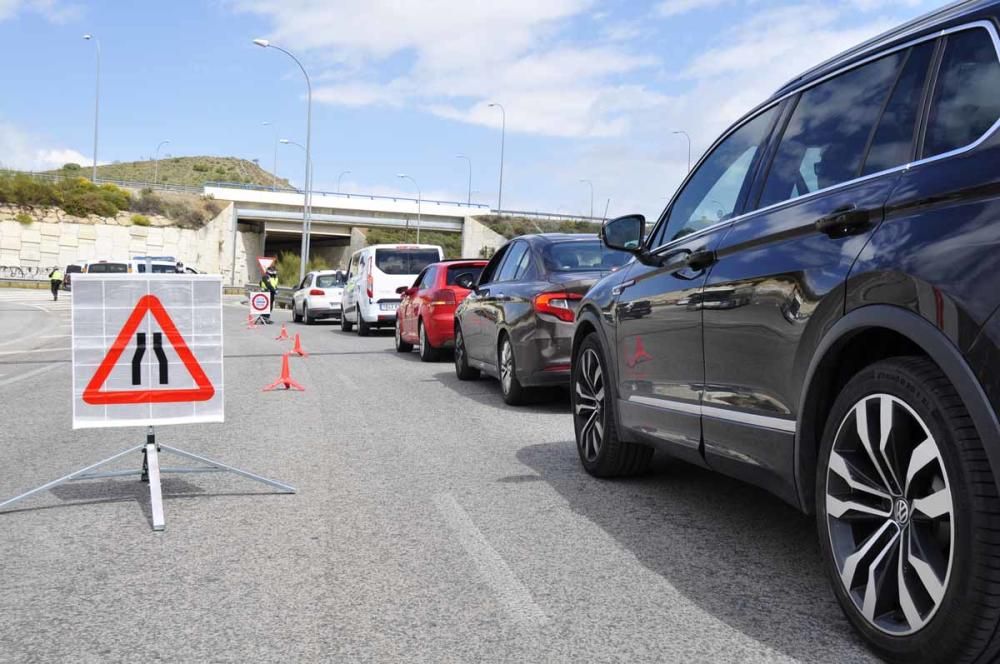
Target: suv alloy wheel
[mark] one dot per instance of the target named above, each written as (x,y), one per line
(907,508)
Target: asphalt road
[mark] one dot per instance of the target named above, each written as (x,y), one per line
(433,523)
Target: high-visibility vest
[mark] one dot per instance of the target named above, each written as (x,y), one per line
(56,275)
(269,283)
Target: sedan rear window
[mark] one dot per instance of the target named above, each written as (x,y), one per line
(574,256)
(455,271)
(405,261)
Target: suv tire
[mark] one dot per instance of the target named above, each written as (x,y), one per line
(364,329)
(602,450)
(305,315)
(296,318)
(924,483)
(345,325)
(462,368)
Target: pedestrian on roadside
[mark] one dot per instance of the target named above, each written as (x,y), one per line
(269,283)
(55,281)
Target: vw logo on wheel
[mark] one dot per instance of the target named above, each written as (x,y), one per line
(902,512)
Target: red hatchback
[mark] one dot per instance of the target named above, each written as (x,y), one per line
(426,314)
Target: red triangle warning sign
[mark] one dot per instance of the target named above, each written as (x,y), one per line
(148,304)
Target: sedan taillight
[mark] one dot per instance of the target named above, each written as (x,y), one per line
(316,291)
(559,305)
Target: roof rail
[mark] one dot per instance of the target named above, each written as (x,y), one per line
(889,35)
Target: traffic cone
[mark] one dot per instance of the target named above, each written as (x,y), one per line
(250,323)
(297,348)
(285,378)
(284,334)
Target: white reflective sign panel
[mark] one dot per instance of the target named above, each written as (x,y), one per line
(147,349)
(260,303)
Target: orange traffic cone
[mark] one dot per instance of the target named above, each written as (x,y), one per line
(297,348)
(284,334)
(285,378)
(250,323)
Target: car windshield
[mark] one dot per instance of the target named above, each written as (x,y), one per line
(102,268)
(329,281)
(574,255)
(405,261)
(455,271)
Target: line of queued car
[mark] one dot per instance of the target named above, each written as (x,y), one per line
(815,312)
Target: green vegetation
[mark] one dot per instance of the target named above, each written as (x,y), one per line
(186,171)
(189,211)
(24,219)
(450,242)
(140,220)
(288,267)
(511,227)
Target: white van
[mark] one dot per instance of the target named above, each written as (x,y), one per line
(373,275)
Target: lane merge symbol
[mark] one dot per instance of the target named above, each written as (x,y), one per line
(148,304)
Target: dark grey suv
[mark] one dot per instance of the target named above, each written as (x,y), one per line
(815,312)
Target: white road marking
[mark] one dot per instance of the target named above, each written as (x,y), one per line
(29,374)
(508,588)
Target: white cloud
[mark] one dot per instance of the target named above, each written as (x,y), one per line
(53,10)
(677,7)
(23,151)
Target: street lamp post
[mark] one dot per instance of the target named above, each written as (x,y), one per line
(156,162)
(591,196)
(462,156)
(285,141)
(685,134)
(503,134)
(419,200)
(97,101)
(307,197)
(274,171)
(342,174)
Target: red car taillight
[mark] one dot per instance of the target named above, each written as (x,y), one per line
(557,304)
(368,286)
(442,297)
(316,291)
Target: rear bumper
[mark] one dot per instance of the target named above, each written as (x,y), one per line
(441,327)
(543,358)
(323,308)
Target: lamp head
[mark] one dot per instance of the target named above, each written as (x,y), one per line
(88,37)
(263,43)
(284,141)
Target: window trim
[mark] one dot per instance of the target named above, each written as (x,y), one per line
(933,73)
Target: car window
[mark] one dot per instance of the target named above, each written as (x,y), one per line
(491,268)
(426,278)
(455,271)
(525,267)
(305,282)
(825,139)
(892,144)
(965,103)
(712,193)
(107,268)
(579,255)
(328,281)
(404,260)
(511,263)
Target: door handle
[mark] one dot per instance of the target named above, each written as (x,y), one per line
(843,221)
(701,259)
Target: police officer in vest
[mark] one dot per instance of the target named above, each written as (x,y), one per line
(269,283)
(55,281)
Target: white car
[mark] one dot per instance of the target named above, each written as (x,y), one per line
(374,274)
(318,296)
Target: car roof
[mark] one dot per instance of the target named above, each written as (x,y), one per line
(552,238)
(951,14)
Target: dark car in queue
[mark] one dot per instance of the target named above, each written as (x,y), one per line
(426,314)
(517,323)
(816,312)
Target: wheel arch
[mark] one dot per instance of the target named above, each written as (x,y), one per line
(861,337)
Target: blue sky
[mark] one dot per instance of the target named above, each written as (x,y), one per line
(592,90)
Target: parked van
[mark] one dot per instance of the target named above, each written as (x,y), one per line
(373,275)
(107,267)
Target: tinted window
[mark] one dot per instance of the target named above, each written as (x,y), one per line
(513,260)
(966,100)
(107,268)
(329,281)
(491,268)
(713,191)
(455,271)
(71,269)
(892,144)
(825,139)
(157,268)
(427,279)
(405,261)
(577,255)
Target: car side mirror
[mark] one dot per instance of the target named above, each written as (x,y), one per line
(466,281)
(625,233)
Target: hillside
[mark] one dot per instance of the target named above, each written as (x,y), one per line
(188,171)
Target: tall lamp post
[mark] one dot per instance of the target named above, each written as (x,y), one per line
(342,174)
(404,176)
(591,196)
(156,162)
(503,134)
(307,197)
(462,156)
(97,101)
(285,141)
(685,134)
(274,171)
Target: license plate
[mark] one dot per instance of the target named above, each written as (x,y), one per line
(335,305)
(390,306)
